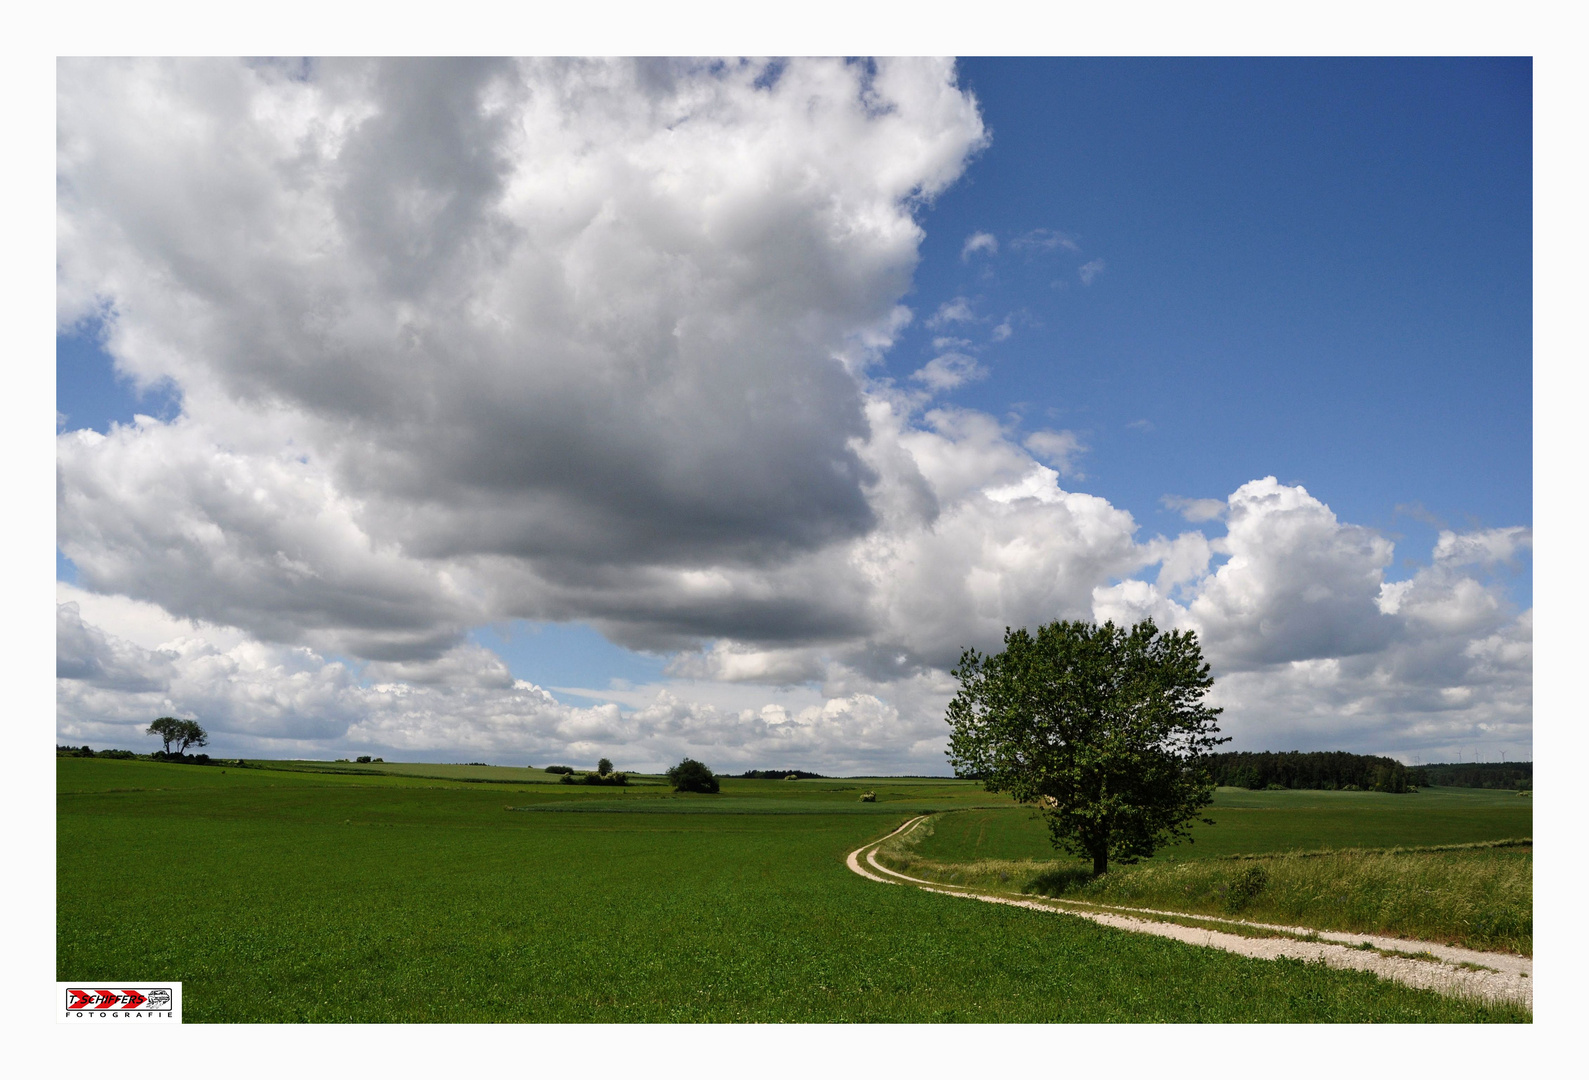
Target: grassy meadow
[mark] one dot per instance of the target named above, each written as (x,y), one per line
(1252,822)
(457,893)
(1451,865)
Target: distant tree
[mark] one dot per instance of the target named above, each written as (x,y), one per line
(1102,728)
(603,767)
(184,733)
(691,775)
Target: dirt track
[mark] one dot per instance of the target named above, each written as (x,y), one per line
(1510,980)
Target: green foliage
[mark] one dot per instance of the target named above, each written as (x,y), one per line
(362,759)
(780,774)
(447,909)
(1103,728)
(1320,771)
(603,767)
(616,779)
(184,733)
(1511,775)
(868,796)
(691,775)
(564,770)
(1245,887)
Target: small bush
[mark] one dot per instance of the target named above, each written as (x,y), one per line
(380,761)
(691,775)
(869,796)
(1246,887)
(616,779)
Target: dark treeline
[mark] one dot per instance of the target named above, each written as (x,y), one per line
(1319,770)
(157,755)
(1506,775)
(780,774)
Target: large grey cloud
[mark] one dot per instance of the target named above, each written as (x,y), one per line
(595,319)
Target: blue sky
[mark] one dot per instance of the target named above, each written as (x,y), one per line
(1319,269)
(1188,274)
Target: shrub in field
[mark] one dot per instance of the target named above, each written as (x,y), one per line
(616,779)
(1246,887)
(564,770)
(691,775)
(869,796)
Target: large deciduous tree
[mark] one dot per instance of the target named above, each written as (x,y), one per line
(1103,728)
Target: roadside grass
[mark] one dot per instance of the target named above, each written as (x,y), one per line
(1478,897)
(282,896)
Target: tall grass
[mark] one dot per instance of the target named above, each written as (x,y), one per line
(1477,897)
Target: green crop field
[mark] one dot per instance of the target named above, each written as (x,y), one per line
(316,892)
(1251,822)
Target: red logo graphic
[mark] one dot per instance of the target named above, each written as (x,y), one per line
(101,1000)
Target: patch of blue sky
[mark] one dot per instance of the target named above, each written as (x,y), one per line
(569,655)
(1217,270)
(90,394)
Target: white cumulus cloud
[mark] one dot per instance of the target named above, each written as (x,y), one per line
(466,341)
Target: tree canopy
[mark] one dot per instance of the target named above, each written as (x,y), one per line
(691,775)
(1103,728)
(184,733)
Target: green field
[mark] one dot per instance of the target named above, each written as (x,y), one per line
(1250,822)
(409,893)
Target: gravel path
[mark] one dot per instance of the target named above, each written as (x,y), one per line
(1511,980)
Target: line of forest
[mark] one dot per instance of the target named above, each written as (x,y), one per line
(1341,771)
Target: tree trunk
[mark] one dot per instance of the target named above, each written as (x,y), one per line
(1100,862)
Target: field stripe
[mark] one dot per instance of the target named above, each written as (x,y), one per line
(1512,980)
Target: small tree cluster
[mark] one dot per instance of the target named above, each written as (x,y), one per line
(184,733)
(612,779)
(691,775)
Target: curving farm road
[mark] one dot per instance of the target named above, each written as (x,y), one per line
(1508,978)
